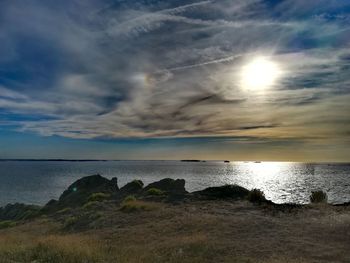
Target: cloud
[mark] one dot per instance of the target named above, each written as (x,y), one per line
(165,69)
(10,94)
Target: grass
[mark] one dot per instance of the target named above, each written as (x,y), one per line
(131,205)
(69,222)
(91,205)
(203,231)
(7,224)
(64,210)
(155,192)
(51,249)
(318,197)
(98,197)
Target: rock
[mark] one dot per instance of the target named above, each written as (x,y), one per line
(18,211)
(131,188)
(224,192)
(114,184)
(343,204)
(169,186)
(78,192)
(50,206)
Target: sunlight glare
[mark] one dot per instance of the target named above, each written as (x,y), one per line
(260,74)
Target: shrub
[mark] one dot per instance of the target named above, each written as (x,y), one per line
(256,196)
(155,191)
(98,197)
(318,197)
(7,224)
(129,198)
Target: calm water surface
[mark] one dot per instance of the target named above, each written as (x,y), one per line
(37,182)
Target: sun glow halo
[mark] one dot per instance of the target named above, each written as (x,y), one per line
(260,74)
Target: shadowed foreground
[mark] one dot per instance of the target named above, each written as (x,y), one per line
(147,227)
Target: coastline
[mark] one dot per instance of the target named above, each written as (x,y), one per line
(96,221)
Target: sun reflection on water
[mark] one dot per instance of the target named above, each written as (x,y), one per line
(273,178)
(265,169)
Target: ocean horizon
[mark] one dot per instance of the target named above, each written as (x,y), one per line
(36,181)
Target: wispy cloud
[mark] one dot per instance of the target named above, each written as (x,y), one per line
(165,69)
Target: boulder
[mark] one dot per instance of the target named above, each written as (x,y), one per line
(168,185)
(131,188)
(78,192)
(223,192)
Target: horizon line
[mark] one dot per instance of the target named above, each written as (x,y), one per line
(179,160)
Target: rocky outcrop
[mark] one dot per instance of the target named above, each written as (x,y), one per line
(169,186)
(223,192)
(78,192)
(133,187)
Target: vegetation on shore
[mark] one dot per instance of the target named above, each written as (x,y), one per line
(95,221)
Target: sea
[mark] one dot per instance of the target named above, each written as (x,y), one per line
(36,182)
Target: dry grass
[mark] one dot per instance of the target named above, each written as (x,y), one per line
(53,248)
(138,205)
(195,232)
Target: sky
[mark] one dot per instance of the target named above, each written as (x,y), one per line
(150,79)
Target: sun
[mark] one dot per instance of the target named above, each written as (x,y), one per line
(259,74)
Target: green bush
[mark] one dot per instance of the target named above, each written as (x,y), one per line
(129,198)
(155,191)
(256,196)
(318,197)
(98,197)
(7,224)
